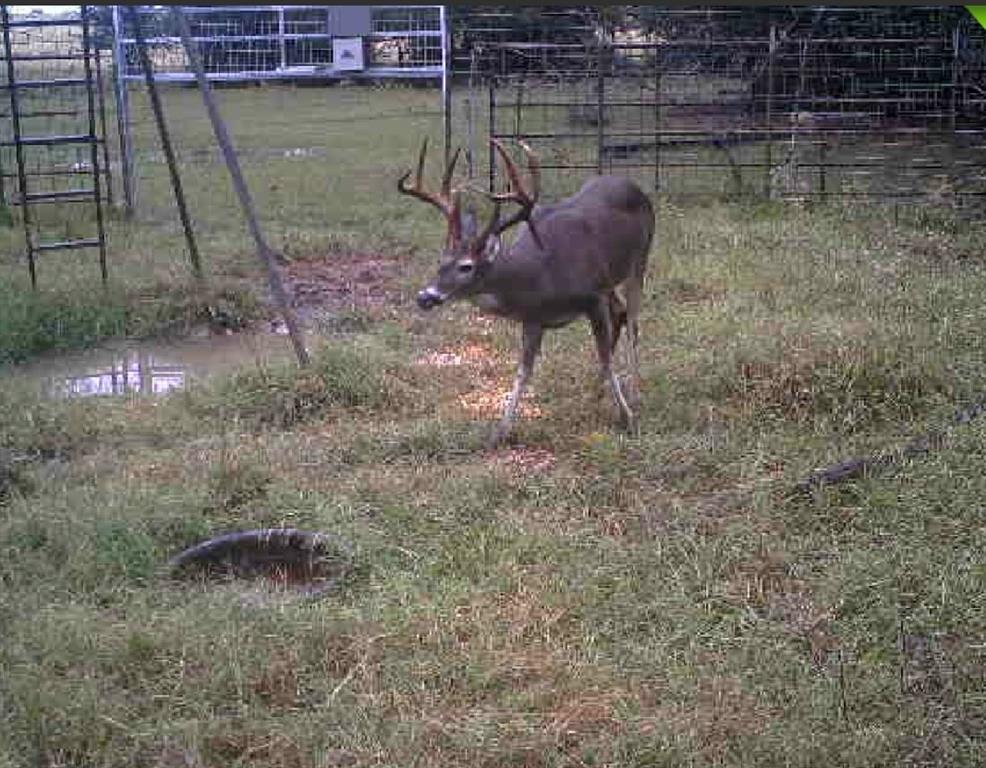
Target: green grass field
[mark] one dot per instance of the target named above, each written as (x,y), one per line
(577,598)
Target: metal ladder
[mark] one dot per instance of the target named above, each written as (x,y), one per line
(81,183)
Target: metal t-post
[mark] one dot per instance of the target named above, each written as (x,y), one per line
(600,108)
(446,81)
(769,165)
(956,69)
(169,152)
(470,128)
(239,184)
(491,129)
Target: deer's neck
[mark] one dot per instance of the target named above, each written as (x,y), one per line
(515,286)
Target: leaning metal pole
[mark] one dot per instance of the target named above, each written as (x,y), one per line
(242,191)
(169,152)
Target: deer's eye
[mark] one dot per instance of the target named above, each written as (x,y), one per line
(465,267)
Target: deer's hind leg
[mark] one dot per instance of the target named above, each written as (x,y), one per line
(616,307)
(617,316)
(633,288)
(602,328)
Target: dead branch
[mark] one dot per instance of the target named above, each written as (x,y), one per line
(863,465)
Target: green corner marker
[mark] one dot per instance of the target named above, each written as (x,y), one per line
(979,11)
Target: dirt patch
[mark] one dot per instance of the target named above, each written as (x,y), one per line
(474,355)
(937,252)
(488,377)
(527,461)
(369,283)
(488,402)
(850,383)
(787,386)
(236,743)
(766,584)
(588,714)
(689,293)
(482,325)
(723,712)
(277,683)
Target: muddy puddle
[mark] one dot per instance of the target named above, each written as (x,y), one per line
(338,293)
(149,368)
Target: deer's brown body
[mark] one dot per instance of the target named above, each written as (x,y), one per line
(584,256)
(590,243)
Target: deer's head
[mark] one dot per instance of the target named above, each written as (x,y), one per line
(469,253)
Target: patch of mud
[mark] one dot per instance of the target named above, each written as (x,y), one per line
(369,284)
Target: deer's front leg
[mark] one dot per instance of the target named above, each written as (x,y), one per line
(532,345)
(602,329)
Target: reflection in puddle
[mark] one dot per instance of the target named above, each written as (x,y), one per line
(136,373)
(153,368)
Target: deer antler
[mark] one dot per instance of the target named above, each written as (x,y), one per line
(447,200)
(525,197)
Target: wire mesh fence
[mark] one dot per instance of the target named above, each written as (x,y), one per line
(788,103)
(478,30)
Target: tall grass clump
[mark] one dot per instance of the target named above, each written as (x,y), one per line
(32,322)
(340,376)
(33,425)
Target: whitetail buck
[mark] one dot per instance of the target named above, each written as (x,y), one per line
(584,255)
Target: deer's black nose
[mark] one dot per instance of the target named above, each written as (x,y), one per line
(429,298)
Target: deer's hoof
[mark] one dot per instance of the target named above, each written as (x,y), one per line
(629,422)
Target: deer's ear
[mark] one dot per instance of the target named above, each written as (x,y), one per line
(492,248)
